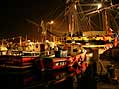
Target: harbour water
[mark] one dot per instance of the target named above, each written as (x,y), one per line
(62,79)
(33,79)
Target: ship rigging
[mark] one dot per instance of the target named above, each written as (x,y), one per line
(82,17)
(79,17)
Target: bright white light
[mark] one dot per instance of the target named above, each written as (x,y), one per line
(90,55)
(75,6)
(29,40)
(99,6)
(46,41)
(51,22)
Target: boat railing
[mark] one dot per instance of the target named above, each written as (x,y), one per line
(24,53)
(20,53)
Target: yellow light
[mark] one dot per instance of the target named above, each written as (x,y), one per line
(46,41)
(51,22)
(75,6)
(89,55)
(99,6)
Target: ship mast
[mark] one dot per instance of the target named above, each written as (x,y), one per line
(105,16)
(78,21)
(81,18)
(70,13)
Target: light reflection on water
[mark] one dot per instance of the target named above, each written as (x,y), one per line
(30,79)
(44,80)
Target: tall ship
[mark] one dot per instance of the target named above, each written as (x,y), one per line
(94,21)
(86,26)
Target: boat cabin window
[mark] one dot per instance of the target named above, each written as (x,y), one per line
(27,54)
(31,54)
(75,50)
(16,52)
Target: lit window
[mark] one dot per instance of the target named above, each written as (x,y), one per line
(57,64)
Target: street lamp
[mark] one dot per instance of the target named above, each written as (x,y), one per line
(51,22)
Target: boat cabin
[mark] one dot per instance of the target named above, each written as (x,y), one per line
(19,58)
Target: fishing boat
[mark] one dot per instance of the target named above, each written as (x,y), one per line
(89,25)
(79,21)
(18,59)
(71,58)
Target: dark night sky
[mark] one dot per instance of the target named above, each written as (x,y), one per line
(14,12)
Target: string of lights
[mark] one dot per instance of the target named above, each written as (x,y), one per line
(12,38)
